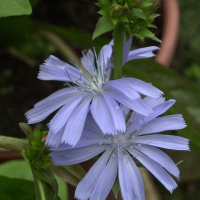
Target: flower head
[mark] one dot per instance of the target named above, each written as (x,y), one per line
(120,151)
(96,94)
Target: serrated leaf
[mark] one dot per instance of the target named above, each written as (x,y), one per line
(15,7)
(151,26)
(104,13)
(114,20)
(146,33)
(124,18)
(104,25)
(106,3)
(138,36)
(116,187)
(144,4)
(175,87)
(154,15)
(138,13)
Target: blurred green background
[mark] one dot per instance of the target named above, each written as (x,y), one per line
(64,28)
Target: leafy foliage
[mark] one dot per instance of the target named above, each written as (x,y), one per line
(14,7)
(136,16)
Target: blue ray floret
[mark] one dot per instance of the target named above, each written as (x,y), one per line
(96,94)
(138,142)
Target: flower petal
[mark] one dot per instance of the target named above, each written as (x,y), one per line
(76,155)
(61,117)
(152,102)
(142,53)
(54,140)
(121,87)
(124,179)
(48,105)
(135,178)
(105,54)
(88,61)
(163,141)
(160,157)
(87,184)
(142,87)
(155,169)
(106,180)
(126,49)
(75,124)
(102,115)
(55,69)
(137,105)
(116,113)
(159,124)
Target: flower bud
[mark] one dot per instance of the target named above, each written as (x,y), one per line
(116,10)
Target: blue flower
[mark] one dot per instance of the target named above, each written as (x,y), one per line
(98,94)
(120,151)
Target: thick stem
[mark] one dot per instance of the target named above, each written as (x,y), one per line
(118,50)
(11,143)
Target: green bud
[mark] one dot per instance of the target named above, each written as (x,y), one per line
(116,10)
(25,128)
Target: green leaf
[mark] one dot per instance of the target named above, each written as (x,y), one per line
(104,13)
(116,187)
(106,3)
(114,20)
(124,18)
(138,13)
(146,33)
(13,188)
(24,172)
(45,184)
(104,25)
(175,87)
(14,7)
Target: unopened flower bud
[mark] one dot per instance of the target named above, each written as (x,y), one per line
(116,10)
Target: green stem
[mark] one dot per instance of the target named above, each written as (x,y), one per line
(118,50)
(11,143)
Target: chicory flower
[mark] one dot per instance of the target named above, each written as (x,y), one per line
(139,142)
(97,94)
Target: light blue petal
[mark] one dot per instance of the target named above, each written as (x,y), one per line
(54,140)
(105,54)
(137,105)
(159,124)
(61,117)
(152,102)
(142,87)
(87,184)
(124,179)
(124,88)
(160,157)
(136,120)
(75,124)
(88,61)
(142,53)
(106,180)
(116,113)
(76,155)
(135,178)
(163,141)
(126,49)
(102,115)
(45,107)
(155,169)
(55,69)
